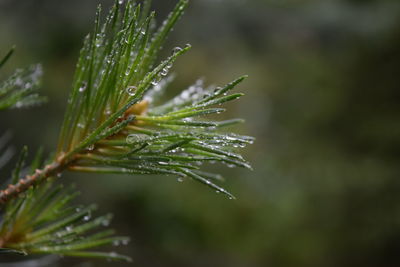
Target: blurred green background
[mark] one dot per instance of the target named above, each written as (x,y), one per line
(322,100)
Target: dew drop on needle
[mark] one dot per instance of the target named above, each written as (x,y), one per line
(131,90)
(164,72)
(83,87)
(176,50)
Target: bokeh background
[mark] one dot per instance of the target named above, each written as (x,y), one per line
(323,101)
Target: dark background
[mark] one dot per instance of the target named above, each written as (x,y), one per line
(322,100)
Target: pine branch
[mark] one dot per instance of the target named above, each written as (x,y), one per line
(113,124)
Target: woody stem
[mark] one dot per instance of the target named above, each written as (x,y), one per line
(40,175)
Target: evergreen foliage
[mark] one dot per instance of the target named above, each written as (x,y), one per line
(44,221)
(19,90)
(114,123)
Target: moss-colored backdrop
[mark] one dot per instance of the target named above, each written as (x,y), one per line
(322,100)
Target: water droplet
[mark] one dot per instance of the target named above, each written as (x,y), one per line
(135,138)
(90,147)
(217,89)
(68,228)
(143,32)
(83,87)
(99,40)
(131,90)
(80,125)
(164,72)
(120,2)
(179,179)
(156,80)
(87,217)
(176,50)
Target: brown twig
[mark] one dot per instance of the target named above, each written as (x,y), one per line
(40,175)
